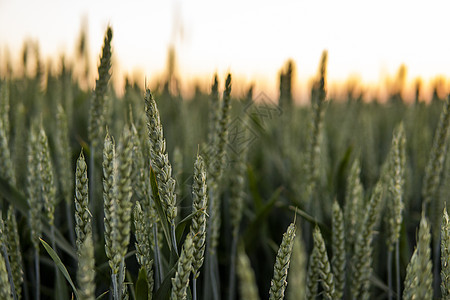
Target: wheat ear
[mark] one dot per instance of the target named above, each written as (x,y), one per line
(180,282)
(281,267)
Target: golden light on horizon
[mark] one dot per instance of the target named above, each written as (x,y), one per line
(366,42)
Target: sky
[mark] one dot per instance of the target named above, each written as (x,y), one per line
(368,40)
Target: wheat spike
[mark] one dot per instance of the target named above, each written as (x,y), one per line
(199,206)
(362,258)
(48,188)
(184,267)
(14,251)
(338,247)
(445,256)
(353,207)
(97,110)
(247,282)
(86,269)
(159,159)
(419,276)
(143,245)
(297,273)
(281,267)
(109,185)
(83,225)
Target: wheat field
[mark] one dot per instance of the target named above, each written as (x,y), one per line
(150,196)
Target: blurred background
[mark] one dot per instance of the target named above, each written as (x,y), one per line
(372,45)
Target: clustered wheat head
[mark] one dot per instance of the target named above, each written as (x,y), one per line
(324,268)
(33,187)
(5,108)
(46,173)
(159,159)
(312,277)
(6,282)
(338,260)
(396,184)
(143,245)
(281,267)
(214,115)
(199,207)
(184,267)
(83,225)
(14,251)
(216,165)
(64,168)
(86,269)
(123,203)
(247,287)
(419,277)
(445,256)
(109,178)
(362,258)
(6,166)
(318,104)
(237,200)
(98,105)
(139,174)
(433,170)
(297,271)
(354,204)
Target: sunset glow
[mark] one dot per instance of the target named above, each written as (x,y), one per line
(368,41)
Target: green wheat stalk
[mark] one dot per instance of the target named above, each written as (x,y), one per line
(122,202)
(362,258)
(324,268)
(63,152)
(396,186)
(318,106)
(5,287)
(198,225)
(109,185)
(419,276)
(83,226)
(312,276)
(139,175)
(247,282)
(33,188)
(214,115)
(10,289)
(97,113)
(14,251)
(180,282)
(5,108)
(6,165)
(445,256)
(143,244)
(433,170)
(297,271)
(160,163)
(46,174)
(20,143)
(354,203)
(338,246)
(97,109)
(216,166)
(237,199)
(110,209)
(86,269)
(281,267)
(395,174)
(64,165)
